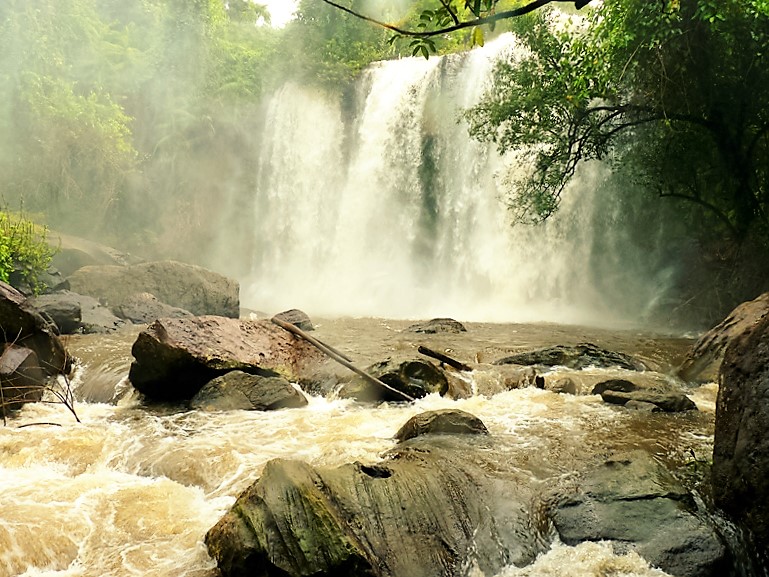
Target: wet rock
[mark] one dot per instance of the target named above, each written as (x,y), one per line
(297,318)
(75,313)
(578,357)
(141,308)
(565,385)
(440,325)
(441,422)
(435,503)
(73,252)
(634,502)
(642,406)
(23,325)
(21,378)
(741,451)
(668,402)
(189,287)
(63,308)
(417,378)
(174,358)
(703,360)
(620,385)
(237,390)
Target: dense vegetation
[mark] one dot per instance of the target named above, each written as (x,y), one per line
(126,121)
(24,251)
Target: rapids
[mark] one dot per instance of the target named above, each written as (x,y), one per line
(132,489)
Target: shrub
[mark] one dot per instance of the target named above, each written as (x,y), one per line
(23,249)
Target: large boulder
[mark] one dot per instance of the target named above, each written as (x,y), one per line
(237,390)
(73,252)
(174,358)
(580,356)
(24,326)
(436,504)
(634,502)
(741,446)
(186,286)
(704,359)
(441,422)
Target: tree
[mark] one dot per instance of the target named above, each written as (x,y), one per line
(676,95)
(451,16)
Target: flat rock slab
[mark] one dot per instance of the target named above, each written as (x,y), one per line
(580,356)
(174,358)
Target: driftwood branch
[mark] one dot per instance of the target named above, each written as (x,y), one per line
(460,366)
(339,358)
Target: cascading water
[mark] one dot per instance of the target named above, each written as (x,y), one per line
(388,208)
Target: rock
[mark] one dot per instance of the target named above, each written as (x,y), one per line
(565,385)
(642,406)
(741,451)
(24,326)
(668,402)
(189,287)
(579,356)
(237,390)
(49,280)
(297,318)
(634,502)
(703,360)
(21,378)
(76,313)
(174,358)
(620,385)
(440,325)
(73,252)
(417,378)
(141,308)
(441,422)
(433,506)
(63,308)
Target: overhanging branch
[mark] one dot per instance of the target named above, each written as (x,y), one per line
(504,15)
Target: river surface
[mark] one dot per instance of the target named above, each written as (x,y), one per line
(131,490)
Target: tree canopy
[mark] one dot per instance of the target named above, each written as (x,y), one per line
(676,94)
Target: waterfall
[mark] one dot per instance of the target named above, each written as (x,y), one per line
(386,207)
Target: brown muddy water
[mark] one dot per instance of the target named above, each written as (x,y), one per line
(131,490)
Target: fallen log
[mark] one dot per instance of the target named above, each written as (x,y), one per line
(460,366)
(338,357)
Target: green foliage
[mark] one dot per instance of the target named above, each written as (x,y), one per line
(674,94)
(23,249)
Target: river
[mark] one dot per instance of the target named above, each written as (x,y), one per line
(132,489)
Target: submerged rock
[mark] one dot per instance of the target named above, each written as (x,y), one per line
(417,378)
(577,357)
(189,287)
(299,319)
(237,390)
(668,402)
(741,451)
(174,358)
(440,325)
(441,422)
(434,505)
(704,359)
(634,502)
